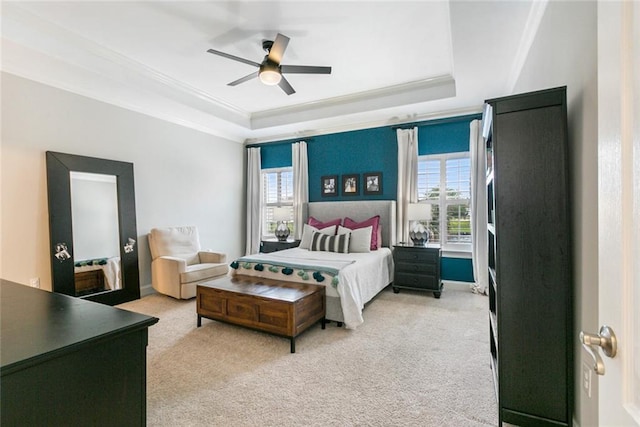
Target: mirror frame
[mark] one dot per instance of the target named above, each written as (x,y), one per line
(59,166)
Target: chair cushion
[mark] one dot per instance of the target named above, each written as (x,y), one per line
(202,272)
(180,242)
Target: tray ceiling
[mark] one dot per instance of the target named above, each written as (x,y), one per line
(391,61)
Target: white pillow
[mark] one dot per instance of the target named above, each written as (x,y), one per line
(307,234)
(360,240)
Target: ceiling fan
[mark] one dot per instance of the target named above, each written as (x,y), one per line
(270,70)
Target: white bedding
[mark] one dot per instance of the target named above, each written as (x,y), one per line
(111,271)
(360,276)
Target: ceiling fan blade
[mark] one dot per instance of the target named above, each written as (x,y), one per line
(304,69)
(235,58)
(286,87)
(244,79)
(279,46)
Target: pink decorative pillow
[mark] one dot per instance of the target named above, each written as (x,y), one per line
(319,224)
(374,222)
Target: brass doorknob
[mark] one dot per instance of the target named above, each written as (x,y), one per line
(606,340)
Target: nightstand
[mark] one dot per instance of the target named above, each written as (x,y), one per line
(417,268)
(267,246)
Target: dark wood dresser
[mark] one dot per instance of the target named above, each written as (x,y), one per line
(69,362)
(417,268)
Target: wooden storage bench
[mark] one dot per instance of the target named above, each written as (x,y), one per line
(281,308)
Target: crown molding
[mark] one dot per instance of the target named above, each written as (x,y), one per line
(31,65)
(536,12)
(39,34)
(403,94)
(394,121)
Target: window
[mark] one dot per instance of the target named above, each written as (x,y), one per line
(444,182)
(277,191)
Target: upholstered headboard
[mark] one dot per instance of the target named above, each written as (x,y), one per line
(359,211)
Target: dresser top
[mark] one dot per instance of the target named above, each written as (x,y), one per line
(36,324)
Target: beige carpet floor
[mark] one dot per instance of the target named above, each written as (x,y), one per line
(416,361)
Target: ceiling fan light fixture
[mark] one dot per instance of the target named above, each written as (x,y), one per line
(270,69)
(269,73)
(270,77)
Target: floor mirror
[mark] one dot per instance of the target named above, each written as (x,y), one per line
(92,228)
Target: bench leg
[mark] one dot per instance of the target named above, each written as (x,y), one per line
(199,320)
(323,322)
(293,345)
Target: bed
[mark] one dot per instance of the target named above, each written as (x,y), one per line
(95,275)
(351,279)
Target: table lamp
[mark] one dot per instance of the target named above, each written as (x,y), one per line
(280,216)
(419,212)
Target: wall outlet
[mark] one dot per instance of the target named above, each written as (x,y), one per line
(587,371)
(34,282)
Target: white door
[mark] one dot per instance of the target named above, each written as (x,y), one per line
(619,208)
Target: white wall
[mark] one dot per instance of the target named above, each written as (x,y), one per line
(564,52)
(182,176)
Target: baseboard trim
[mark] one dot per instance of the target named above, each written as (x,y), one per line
(146,290)
(457,285)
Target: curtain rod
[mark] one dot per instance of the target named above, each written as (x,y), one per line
(436,121)
(271,144)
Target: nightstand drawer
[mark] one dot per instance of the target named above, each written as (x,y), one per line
(419,268)
(418,281)
(267,246)
(417,255)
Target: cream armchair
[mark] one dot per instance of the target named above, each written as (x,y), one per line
(178,264)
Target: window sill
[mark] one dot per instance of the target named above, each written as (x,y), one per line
(456,253)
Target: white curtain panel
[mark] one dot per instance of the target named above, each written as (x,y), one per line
(254,199)
(407,179)
(300,185)
(479,208)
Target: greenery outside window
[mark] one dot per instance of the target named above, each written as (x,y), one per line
(277,191)
(444,182)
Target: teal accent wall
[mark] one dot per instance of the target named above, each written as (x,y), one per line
(458,269)
(356,152)
(276,156)
(374,150)
(448,137)
(368,150)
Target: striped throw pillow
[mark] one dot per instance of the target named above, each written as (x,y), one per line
(323,242)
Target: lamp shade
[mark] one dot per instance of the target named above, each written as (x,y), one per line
(281,214)
(419,212)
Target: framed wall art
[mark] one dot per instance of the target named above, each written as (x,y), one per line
(350,185)
(329,186)
(372,183)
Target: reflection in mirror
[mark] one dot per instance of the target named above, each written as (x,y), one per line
(94,218)
(92,228)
